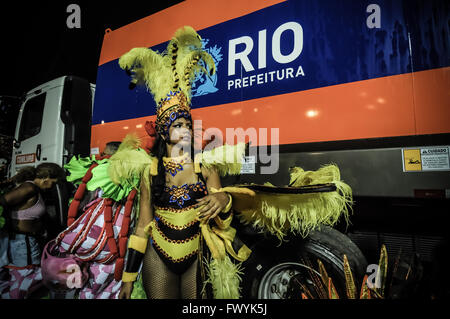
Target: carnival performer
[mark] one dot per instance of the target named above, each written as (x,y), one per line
(180,193)
(20,238)
(183,238)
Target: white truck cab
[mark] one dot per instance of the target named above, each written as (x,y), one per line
(54,123)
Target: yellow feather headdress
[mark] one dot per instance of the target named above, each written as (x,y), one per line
(169,75)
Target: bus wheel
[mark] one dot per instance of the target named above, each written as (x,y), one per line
(286,270)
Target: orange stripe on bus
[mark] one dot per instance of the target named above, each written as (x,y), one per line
(381,107)
(432,101)
(160,27)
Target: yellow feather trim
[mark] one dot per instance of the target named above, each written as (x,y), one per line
(279,213)
(299,213)
(326,174)
(130,163)
(225,159)
(224,276)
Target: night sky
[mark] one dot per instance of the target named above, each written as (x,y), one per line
(37,46)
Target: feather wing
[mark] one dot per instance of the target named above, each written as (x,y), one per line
(280,210)
(130,163)
(225,159)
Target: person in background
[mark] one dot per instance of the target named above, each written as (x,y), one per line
(20,251)
(110,148)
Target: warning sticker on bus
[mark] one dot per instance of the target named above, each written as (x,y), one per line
(248,165)
(25,159)
(426,159)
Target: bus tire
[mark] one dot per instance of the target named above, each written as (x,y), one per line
(271,268)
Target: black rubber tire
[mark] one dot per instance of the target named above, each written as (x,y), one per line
(326,244)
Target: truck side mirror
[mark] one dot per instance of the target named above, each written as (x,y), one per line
(16,143)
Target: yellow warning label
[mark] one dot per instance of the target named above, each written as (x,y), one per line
(412,160)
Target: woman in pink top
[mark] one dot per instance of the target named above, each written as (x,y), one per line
(20,252)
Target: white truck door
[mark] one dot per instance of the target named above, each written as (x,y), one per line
(40,130)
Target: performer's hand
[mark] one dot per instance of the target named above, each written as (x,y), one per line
(214,204)
(126,290)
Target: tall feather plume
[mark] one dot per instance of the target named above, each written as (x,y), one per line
(189,65)
(184,42)
(172,52)
(173,69)
(149,67)
(187,37)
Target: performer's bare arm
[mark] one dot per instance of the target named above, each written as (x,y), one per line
(145,210)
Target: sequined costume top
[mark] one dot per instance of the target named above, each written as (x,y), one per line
(175,232)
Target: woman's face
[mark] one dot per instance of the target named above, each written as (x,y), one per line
(180,132)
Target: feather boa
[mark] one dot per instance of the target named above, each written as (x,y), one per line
(225,278)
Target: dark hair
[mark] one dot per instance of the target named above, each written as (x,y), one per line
(111,147)
(159,150)
(43,170)
(27,173)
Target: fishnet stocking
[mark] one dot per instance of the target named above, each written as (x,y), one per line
(160,283)
(189,282)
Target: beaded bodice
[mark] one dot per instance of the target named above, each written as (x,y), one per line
(178,197)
